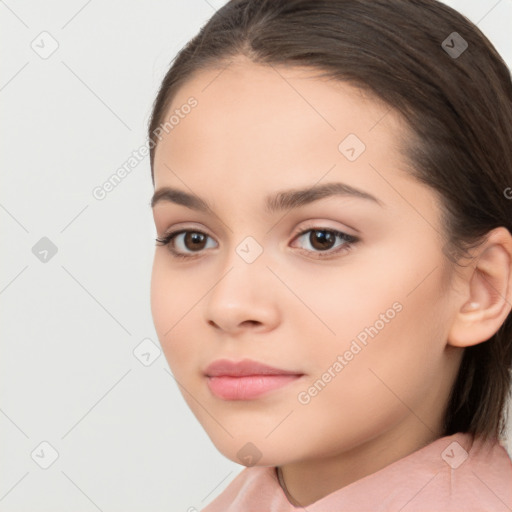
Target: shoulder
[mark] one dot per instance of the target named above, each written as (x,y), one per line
(456,473)
(484,476)
(473,476)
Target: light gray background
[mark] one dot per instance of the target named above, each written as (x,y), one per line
(125,439)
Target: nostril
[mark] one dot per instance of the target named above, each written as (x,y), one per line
(251,322)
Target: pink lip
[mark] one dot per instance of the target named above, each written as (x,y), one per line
(222,367)
(246,379)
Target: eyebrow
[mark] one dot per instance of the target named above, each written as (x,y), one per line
(281,200)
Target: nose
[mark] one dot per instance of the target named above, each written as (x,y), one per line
(243,298)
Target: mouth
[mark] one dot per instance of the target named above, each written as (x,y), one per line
(246,379)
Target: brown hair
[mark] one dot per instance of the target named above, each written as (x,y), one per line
(458,108)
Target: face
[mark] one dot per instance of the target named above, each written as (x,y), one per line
(343,290)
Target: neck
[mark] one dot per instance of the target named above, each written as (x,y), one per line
(307,481)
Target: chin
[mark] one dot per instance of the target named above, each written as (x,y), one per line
(249,453)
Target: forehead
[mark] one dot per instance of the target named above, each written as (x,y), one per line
(270,123)
(265,91)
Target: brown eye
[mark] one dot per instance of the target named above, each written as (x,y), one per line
(184,246)
(194,241)
(322,240)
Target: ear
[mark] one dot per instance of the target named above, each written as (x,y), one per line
(487,300)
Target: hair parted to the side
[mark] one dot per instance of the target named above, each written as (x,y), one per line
(458,111)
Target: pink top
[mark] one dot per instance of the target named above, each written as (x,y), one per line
(447,475)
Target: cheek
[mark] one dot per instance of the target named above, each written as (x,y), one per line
(171,302)
(390,321)
(340,305)
(162,296)
(378,387)
(321,298)
(401,358)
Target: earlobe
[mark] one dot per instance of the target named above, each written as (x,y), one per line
(488,301)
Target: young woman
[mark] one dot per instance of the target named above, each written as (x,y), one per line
(332,282)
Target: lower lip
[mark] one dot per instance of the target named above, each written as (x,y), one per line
(247,387)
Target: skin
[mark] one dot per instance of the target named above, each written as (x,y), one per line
(257,130)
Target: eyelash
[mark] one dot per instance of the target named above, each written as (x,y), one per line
(350,241)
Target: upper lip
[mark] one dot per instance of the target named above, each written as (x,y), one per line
(243,368)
